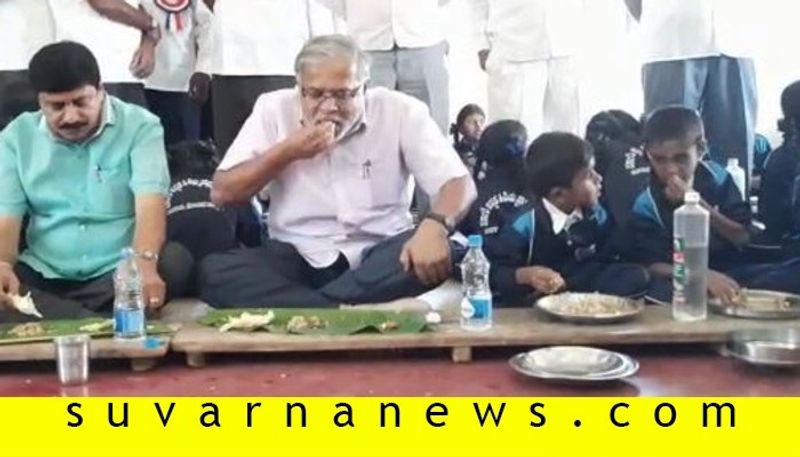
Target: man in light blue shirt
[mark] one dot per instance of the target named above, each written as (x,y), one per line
(90,172)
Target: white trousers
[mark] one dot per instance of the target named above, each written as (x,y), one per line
(542,95)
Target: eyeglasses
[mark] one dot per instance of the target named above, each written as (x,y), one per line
(339,96)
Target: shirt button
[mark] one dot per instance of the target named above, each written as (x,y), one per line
(85,257)
(83,227)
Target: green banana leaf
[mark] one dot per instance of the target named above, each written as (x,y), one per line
(337,321)
(56,328)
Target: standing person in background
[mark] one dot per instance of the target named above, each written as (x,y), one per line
(255,42)
(26,27)
(122,37)
(406,45)
(698,54)
(527,51)
(179,85)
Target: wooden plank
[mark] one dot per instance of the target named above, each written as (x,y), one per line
(513,327)
(461,354)
(104,348)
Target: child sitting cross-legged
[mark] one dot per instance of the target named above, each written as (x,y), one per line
(559,242)
(675,145)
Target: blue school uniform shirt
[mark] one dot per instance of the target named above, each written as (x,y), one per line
(778,198)
(528,239)
(498,200)
(653,216)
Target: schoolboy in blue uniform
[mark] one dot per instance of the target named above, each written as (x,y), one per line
(778,200)
(675,144)
(558,242)
(616,137)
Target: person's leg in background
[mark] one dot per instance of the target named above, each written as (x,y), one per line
(233,98)
(516,91)
(422,73)
(127,92)
(176,268)
(674,82)
(730,104)
(383,69)
(191,112)
(562,100)
(167,106)
(207,118)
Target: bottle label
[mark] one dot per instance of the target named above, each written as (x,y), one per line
(679,273)
(129,322)
(478,308)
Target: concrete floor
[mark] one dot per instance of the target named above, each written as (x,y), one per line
(673,371)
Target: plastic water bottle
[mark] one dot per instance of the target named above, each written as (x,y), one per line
(739,176)
(128,302)
(690,260)
(476,307)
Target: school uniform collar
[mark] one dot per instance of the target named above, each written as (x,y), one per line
(560,220)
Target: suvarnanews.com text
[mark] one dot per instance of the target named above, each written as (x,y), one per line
(390,414)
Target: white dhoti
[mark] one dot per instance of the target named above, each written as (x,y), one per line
(541,94)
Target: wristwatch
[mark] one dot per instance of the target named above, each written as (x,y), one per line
(152,29)
(442,220)
(148,255)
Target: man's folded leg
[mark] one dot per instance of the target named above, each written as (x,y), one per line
(380,277)
(273,275)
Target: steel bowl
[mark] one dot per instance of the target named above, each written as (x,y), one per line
(771,348)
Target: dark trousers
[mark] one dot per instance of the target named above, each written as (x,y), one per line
(779,277)
(233,98)
(277,275)
(180,116)
(620,279)
(16,96)
(127,92)
(66,299)
(722,88)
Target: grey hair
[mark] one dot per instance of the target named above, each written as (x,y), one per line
(325,47)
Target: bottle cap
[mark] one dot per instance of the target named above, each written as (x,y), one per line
(691,197)
(733,162)
(475,241)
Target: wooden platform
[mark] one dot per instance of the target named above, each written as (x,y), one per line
(512,327)
(142,358)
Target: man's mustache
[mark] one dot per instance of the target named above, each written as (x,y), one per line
(72,126)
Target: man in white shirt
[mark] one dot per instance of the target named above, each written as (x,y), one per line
(26,27)
(337,161)
(179,84)
(527,51)
(122,37)
(406,44)
(255,42)
(698,54)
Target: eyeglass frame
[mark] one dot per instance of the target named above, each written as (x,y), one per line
(338,96)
